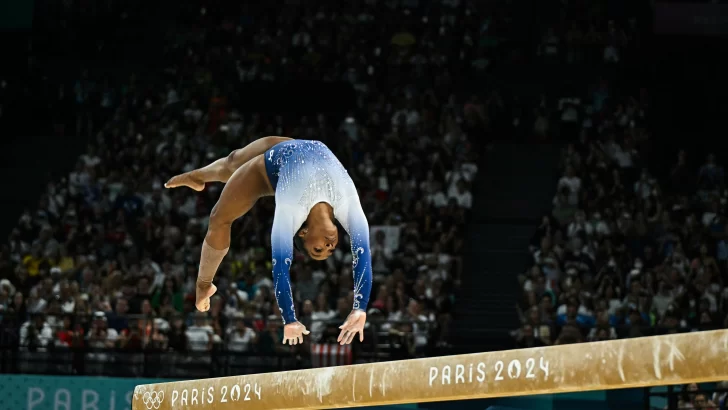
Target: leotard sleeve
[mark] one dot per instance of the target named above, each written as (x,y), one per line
(281,239)
(352,218)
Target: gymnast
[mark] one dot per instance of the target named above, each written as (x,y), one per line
(311,188)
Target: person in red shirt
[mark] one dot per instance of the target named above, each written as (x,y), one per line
(71,335)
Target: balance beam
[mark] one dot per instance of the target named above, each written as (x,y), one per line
(617,364)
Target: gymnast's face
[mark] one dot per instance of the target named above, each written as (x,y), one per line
(320,240)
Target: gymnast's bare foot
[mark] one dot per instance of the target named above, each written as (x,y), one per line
(187,179)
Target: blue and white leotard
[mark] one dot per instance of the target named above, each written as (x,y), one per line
(304,173)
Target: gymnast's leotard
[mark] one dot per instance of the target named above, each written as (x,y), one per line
(304,173)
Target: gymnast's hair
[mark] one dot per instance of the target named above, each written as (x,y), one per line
(298,241)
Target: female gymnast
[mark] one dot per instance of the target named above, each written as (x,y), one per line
(311,188)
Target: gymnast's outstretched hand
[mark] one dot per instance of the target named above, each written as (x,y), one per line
(188,179)
(354,324)
(293,333)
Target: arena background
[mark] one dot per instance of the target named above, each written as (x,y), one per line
(682,66)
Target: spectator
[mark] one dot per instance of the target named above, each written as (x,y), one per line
(701,401)
(169,295)
(462,196)
(71,333)
(36,334)
(526,338)
(664,298)
(17,307)
(402,341)
(100,336)
(240,338)
(572,184)
(569,334)
(573,316)
(268,339)
(117,319)
(710,176)
(132,338)
(320,316)
(420,325)
(200,335)
(603,329)
(721,398)
(305,285)
(177,338)
(381,254)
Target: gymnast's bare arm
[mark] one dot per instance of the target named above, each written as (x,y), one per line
(222,169)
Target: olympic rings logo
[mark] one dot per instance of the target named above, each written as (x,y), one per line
(153,399)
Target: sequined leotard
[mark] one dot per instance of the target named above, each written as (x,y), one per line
(304,173)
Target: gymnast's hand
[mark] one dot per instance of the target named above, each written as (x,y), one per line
(202,297)
(187,179)
(354,324)
(293,333)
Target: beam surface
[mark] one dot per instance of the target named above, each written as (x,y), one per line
(649,361)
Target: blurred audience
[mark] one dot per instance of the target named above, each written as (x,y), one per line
(108,257)
(627,251)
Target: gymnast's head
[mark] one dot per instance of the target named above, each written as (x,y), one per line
(318,236)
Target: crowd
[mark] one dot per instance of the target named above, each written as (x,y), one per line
(627,254)
(107,258)
(628,250)
(692,397)
(624,250)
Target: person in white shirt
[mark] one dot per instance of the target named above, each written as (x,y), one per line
(90,159)
(240,338)
(644,186)
(436,197)
(572,182)
(463,197)
(461,172)
(172,96)
(101,337)
(408,115)
(35,333)
(721,398)
(200,336)
(381,254)
(420,324)
(193,113)
(579,224)
(320,315)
